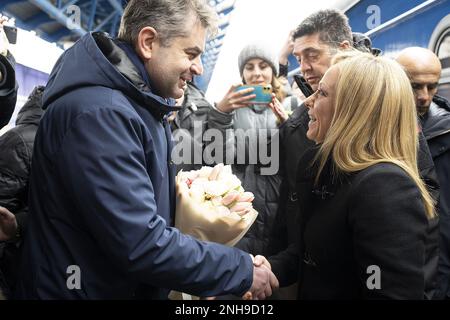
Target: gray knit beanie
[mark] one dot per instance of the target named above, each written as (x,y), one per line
(261,51)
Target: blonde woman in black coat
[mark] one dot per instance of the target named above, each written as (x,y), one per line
(363,227)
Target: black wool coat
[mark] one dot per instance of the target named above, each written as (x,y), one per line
(355,229)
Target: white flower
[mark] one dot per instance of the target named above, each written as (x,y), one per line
(218,189)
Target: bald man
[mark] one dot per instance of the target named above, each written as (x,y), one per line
(424,70)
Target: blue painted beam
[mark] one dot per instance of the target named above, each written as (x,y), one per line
(37,20)
(105,22)
(57,15)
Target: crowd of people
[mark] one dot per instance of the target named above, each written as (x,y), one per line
(358,208)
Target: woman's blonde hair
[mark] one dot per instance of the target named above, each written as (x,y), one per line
(374,121)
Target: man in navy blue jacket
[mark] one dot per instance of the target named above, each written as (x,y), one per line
(102,194)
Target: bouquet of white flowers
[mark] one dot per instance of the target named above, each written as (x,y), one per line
(213,206)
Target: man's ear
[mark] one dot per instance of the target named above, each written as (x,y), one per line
(146,41)
(344,45)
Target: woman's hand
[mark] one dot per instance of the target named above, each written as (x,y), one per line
(278,109)
(235,99)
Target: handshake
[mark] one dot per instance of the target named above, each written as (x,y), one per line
(264,281)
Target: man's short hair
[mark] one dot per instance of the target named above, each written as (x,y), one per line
(167,17)
(331,25)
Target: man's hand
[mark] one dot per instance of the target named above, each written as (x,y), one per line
(264,281)
(8,224)
(4,43)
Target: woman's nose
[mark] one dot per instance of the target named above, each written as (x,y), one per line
(309,102)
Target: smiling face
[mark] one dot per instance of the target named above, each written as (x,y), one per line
(170,67)
(314,58)
(257,72)
(321,106)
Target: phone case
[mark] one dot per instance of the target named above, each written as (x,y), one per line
(263,93)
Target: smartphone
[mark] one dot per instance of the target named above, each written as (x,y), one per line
(303,85)
(263,93)
(11,34)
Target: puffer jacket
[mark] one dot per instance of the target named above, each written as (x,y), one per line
(258,173)
(15,161)
(436,128)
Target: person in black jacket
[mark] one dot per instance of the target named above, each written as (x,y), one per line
(315,44)
(8,84)
(365,210)
(424,70)
(15,162)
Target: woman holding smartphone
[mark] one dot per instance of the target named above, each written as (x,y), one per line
(250,141)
